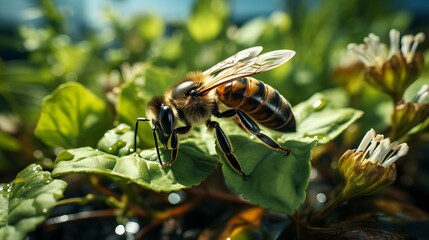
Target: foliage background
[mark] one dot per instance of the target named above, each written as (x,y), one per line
(36,58)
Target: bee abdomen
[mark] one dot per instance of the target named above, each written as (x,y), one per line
(260,101)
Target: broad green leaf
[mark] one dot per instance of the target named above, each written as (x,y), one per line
(192,166)
(27,201)
(277,182)
(317,118)
(72,116)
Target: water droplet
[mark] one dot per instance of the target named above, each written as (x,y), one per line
(321,197)
(132,227)
(319,104)
(321,137)
(120,229)
(121,129)
(63,218)
(45,210)
(174,198)
(120,144)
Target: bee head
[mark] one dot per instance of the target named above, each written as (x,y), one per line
(162,118)
(165,123)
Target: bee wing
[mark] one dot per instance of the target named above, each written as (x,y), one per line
(245,66)
(241,56)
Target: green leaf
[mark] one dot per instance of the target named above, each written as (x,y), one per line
(27,201)
(131,105)
(135,95)
(72,116)
(149,27)
(317,118)
(192,166)
(207,19)
(277,182)
(8,142)
(118,141)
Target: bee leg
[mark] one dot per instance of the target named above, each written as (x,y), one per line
(226,147)
(174,143)
(253,128)
(153,133)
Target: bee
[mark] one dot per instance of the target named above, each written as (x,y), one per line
(199,96)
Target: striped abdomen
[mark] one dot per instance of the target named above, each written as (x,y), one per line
(260,101)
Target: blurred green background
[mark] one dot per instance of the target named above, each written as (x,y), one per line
(117,46)
(102,43)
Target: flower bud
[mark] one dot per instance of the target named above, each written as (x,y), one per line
(408,115)
(391,71)
(370,168)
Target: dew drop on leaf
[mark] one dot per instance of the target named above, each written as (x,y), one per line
(319,104)
(121,129)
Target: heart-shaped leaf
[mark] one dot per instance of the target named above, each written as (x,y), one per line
(27,201)
(72,116)
(277,182)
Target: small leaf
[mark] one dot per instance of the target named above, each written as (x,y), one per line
(72,116)
(27,201)
(277,182)
(317,118)
(192,166)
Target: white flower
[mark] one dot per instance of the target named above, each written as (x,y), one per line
(422,94)
(380,150)
(374,53)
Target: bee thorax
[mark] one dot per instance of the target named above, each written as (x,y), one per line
(194,109)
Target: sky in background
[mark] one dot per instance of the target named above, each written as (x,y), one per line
(90,13)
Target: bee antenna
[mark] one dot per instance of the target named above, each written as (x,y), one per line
(136,130)
(153,133)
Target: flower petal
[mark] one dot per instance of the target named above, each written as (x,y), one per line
(366,140)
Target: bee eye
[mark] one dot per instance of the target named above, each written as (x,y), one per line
(166,120)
